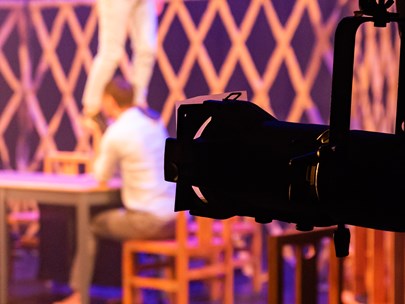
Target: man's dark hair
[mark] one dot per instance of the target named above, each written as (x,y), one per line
(121,90)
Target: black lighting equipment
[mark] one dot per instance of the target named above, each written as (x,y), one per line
(231,157)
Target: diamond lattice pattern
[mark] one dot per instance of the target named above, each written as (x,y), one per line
(280,51)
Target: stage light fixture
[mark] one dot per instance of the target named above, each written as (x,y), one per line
(231,157)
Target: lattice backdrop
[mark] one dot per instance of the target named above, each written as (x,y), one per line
(280,51)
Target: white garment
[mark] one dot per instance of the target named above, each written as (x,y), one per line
(116,17)
(136,144)
(133,146)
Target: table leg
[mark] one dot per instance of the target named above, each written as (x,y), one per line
(3,249)
(83,230)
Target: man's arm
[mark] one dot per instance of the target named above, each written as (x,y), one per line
(105,164)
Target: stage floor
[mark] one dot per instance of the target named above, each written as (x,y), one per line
(25,288)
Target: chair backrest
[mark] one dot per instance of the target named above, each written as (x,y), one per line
(68,162)
(306,271)
(201,231)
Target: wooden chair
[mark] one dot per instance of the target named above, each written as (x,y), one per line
(24,216)
(246,235)
(247,241)
(201,254)
(251,234)
(306,270)
(378,265)
(72,163)
(68,162)
(23,222)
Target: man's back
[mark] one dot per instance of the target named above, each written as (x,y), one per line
(136,143)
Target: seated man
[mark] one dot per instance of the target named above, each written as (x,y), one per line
(134,144)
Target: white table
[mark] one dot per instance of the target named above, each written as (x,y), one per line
(81,192)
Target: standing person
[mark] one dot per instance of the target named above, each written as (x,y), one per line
(116,18)
(134,145)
